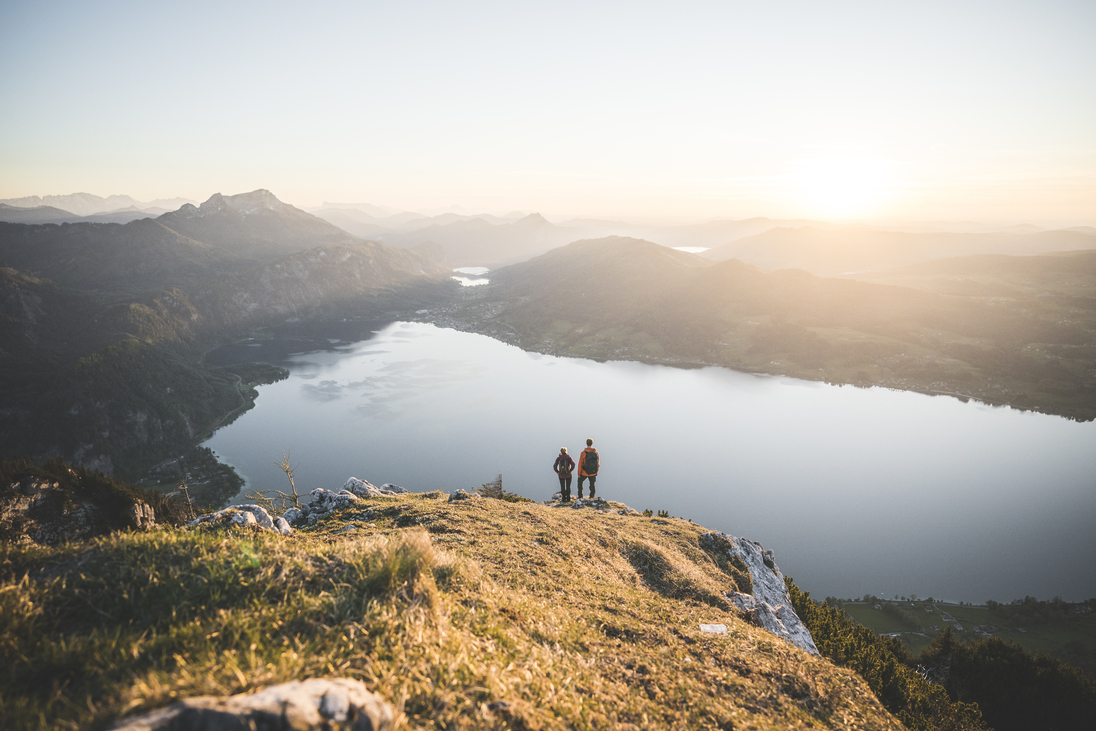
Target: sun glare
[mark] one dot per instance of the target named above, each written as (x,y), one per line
(842,187)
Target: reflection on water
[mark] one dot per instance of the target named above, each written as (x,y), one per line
(858,490)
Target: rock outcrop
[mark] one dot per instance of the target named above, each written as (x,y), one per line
(44,511)
(459,495)
(309,705)
(244,516)
(770,605)
(323,502)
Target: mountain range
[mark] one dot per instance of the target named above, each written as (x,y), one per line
(86,306)
(103,326)
(86,204)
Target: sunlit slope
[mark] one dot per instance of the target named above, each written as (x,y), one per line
(467,615)
(629,299)
(841,250)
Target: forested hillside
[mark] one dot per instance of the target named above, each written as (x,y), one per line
(103,326)
(621,298)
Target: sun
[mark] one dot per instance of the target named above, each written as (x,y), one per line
(842,187)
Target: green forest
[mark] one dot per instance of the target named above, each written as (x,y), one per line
(952,683)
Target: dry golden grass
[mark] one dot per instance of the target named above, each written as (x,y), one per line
(479,614)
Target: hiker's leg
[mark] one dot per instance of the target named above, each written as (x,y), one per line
(581,479)
(564,489)
(567,490)
(593,479)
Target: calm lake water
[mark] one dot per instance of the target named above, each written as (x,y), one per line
(856,490)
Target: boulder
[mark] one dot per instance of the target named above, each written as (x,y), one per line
(325,501)
(308,705)
(770,606)
(293,516)
(362,488)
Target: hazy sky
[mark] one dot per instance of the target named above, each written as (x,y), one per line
(876,110)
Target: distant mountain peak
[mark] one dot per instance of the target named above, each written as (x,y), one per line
(245,203)
(533,219)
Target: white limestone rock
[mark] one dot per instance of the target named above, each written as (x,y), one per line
(310,705)
(261,516)
(244,516)
(362,488)
(325,501)
(293,516)
(143,515)
(770,606)
(394,489)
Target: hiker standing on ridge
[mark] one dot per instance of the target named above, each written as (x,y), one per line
(563,466)
(588,464)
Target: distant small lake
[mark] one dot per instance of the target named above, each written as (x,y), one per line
(476,276)
(857,490)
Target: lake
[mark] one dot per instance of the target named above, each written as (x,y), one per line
(856,490)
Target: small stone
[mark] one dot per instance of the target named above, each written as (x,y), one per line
(282,525)
(293,515)
(715,629)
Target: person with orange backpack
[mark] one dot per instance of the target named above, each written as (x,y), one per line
(563,466)
(589,462)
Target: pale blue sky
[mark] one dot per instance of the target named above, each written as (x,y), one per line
(918,110)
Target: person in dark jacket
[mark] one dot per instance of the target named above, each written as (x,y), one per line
(564,466)
(589,462)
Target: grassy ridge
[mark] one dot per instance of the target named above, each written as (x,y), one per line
(478,614)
